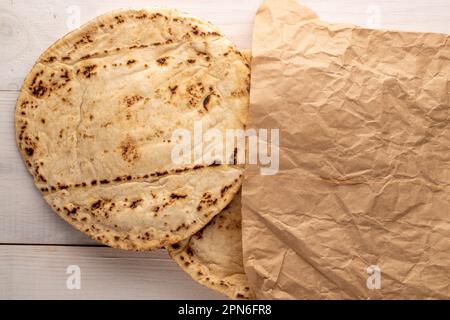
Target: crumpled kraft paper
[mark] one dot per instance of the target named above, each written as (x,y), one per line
(360,207)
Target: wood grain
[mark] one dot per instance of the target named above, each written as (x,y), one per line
(27,28)
(39,272)
(24,216)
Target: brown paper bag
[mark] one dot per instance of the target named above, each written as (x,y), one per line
(360,206)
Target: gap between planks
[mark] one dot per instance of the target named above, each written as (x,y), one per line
(56,245)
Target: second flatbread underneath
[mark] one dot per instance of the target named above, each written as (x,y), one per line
(213,256)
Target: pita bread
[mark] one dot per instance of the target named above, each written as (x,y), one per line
(247,53)
(95,118)
(213,256)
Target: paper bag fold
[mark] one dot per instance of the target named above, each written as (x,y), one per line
(360,207)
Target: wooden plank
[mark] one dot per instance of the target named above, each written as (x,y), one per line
(28,28)
(24,215)
(39,272)
(412,15)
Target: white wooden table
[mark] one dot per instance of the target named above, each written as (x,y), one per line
(37,247)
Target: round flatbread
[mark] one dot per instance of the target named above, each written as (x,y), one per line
(213,256)
(96,116)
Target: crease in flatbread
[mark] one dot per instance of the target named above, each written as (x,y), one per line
(95,117)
